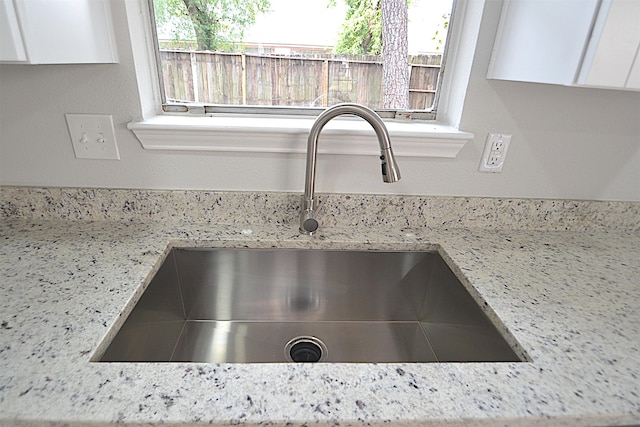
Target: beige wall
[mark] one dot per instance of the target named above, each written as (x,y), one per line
(567,142)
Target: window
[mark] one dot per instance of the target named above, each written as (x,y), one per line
(305,54)
(225,128)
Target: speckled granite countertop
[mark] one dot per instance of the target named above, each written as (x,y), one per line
(570,299)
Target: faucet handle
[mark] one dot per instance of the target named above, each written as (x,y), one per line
(318,207)
(308,222)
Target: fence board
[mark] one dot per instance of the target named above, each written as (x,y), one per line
(317,80)
(177,77)
(220,79)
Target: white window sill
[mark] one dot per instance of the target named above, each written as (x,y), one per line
(263,134)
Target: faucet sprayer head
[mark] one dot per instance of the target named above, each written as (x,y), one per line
(390,169)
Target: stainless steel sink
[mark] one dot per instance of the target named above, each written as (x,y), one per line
(286,305)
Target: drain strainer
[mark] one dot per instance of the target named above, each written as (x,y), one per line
(305,349)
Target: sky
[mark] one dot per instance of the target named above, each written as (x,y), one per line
(311,22)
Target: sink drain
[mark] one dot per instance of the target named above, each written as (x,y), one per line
(305,349)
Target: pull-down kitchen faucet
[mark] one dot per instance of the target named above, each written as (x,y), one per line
(390,171)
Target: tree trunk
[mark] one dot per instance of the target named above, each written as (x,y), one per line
(203,25)
(395,54)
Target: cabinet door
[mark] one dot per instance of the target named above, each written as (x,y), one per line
(611,57)
(64,31)
(541,41)
(11,44)
(633,82)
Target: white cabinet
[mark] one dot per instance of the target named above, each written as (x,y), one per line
(611,59)
(56,32)
(11,46)
(592,43)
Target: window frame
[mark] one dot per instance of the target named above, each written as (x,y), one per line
(178,108)
(285,129)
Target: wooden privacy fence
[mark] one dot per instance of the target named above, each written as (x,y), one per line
(252,79)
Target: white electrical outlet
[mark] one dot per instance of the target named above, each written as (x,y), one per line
(93,136)
(495,152)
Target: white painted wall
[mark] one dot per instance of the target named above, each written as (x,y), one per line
(570,143)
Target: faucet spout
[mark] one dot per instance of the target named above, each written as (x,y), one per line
(390,170)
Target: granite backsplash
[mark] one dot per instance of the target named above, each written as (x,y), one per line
(365,210)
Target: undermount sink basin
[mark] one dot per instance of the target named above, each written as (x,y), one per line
(289,305)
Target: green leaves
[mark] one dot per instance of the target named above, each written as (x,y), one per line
(362,29)
(215,24)
(443,25)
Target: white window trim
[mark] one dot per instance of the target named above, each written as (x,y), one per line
(278,134)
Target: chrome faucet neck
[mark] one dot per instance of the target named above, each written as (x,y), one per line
(390,170)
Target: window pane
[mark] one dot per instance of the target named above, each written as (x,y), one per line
(303,53)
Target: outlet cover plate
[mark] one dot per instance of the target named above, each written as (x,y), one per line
(495,152)
(93,136)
